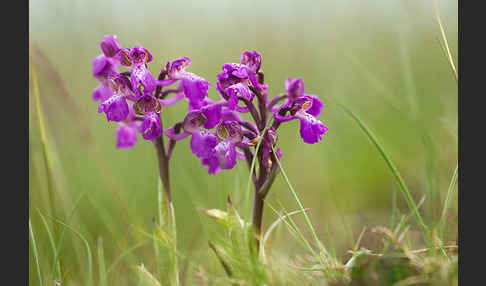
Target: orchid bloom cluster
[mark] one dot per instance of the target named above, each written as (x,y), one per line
(219,135)
(238,85)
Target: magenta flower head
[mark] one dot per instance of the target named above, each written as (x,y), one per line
(110,46)
(295,88)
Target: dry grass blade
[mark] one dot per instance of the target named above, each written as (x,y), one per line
(146,276)
(444,38)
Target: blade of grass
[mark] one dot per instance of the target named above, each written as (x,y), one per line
(57,272)
(101,262)
(123,255)
(252,167)
(141,270)
(36,254)
(444,38)
(403,223)
(88,248)
(43,137)
(63,231)
(394,206)
(147,276)
(301,207)
(294,230)
(450,193)
(375,82)
(173,249)
(393,169)
(277,222)
(274,225)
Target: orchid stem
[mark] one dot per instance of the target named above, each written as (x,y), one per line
(163,160)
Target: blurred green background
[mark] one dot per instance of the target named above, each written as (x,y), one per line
(380,58)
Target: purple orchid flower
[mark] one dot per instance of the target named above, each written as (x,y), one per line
(193,87)
(295,88)
(311,128)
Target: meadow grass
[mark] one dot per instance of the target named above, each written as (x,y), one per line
(383,213)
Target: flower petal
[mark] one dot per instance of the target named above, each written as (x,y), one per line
(311,128)
(212,164)
(213,113)
(203,143)
(294,87)
(102,92)
(172,134)
(126,135)
(173,100)
(226,153)
(141,75)
(104,67)
(151,127)
(195,88)
(315,109)
(115,108)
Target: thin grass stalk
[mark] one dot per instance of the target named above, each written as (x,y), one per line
(393,169)
(123,255)
(444,38)
(450,194)
(57,269)
(36,254)
(61,236)
(88,248)
(101,263)
(293,228)
(43,137)
(273,226)
(301,207)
